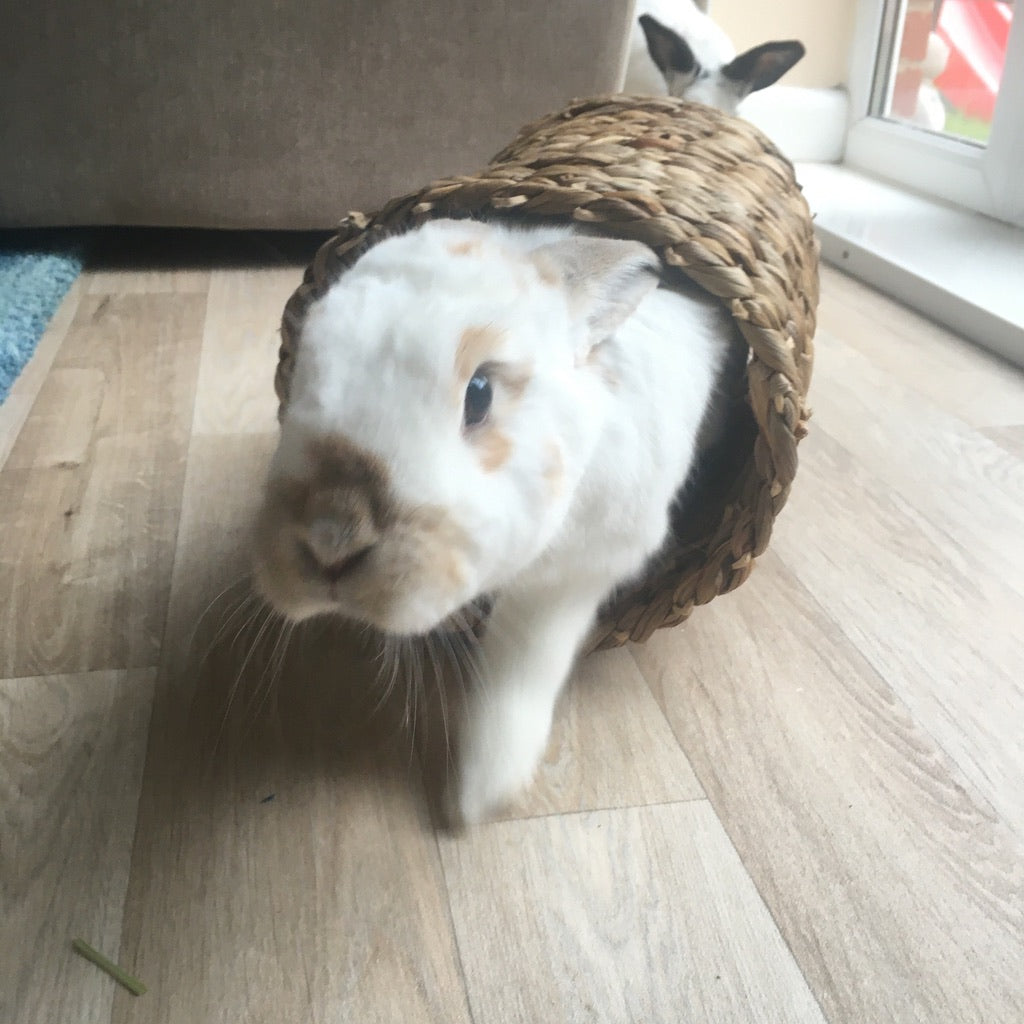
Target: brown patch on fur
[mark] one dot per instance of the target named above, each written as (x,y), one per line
(345,476)
(419,547)
(476,346)
(466,247)
(345,485)
(595,359)
(554,470)
(342,484)
(546,270)
(444,537)
(513,378)
(494,448)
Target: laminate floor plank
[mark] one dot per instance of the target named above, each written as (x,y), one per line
(71,755)
(898,889)
(940,628)
(241,336)
(90,494)
(954,476)
(638,914)
(956,376)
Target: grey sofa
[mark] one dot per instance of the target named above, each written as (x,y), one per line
(275,114)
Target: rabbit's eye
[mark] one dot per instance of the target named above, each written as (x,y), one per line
(478,399)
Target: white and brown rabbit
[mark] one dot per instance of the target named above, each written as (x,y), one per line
(481,409)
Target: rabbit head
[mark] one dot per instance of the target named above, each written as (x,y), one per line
(443,408)
(701,64)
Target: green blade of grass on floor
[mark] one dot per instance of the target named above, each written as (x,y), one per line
(119,974)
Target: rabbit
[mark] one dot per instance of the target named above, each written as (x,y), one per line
(676,48)
(485,409)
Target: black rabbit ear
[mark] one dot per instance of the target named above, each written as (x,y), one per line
(670,52)
(763,65)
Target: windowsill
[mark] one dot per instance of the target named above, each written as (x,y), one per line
(959,268)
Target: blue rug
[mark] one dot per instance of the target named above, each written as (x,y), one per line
(33,280)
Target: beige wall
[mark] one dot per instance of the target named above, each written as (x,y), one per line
(825,27)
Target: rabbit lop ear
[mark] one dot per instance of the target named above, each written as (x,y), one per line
(606,279)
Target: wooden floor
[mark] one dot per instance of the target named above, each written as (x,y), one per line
(805,805)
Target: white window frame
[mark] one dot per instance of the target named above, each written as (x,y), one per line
(987,179)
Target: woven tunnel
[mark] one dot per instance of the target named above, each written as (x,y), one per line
(721,207)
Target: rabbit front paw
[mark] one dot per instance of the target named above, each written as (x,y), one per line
(501,747)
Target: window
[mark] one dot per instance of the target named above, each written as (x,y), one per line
(937,95)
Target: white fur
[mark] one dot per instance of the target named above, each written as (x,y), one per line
(666,357)
(375,366)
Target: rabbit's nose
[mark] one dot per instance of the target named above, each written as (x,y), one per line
(337,547)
